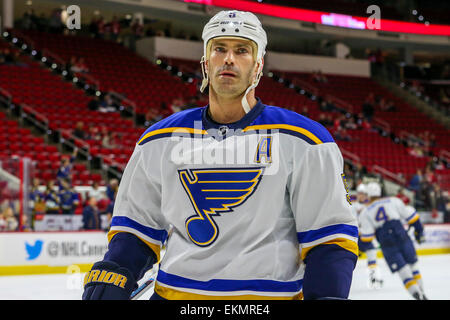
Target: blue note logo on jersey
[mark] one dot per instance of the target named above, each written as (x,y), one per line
(35,250)
(213,192)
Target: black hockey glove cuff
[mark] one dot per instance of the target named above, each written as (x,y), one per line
(108,281)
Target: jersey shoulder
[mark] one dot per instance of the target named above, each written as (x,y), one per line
(291,122)
(182,121)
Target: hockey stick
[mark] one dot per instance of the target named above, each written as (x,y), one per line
(146,285)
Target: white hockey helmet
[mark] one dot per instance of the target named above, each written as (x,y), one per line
(234,24)
(373,189)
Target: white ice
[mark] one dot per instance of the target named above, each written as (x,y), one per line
(435,270)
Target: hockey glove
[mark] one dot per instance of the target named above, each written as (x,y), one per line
(108,281)
(418,232)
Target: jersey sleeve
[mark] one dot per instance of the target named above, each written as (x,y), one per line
(320,201)
(137,208)
(407,213)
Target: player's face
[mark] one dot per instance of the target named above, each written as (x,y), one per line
(361,197)
(231,66)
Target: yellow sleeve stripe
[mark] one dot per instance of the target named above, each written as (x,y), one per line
(414,219)
(285,127)
(155,248)
(344,243)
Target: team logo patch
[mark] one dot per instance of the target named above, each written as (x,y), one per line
(213,192)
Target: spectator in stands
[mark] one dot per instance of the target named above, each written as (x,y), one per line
(401,195)
(72,62)
(389,106)
(109,139)
(319,77)
(8,221)
(55,24)
(177,105)
(415,182)
(323,120)
(94,134)
(360,171)
(361,122)
(79,65)
(137,32)
(350,123)
(414,149)
(368,108)
(94,103)
(137,28)
(111,189)
(305,112)
(101,27)
(7,57)
(339,123)
(93,27)
(96,192)
(51,198)
(110,210)
(68,198)
(115,28)
(107,104)
(37,199)
(91,215)
(29,20)
(443,205)
(79,130)
(341,134)
(151,117)
(65,170)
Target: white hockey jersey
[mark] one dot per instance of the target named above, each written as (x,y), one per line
(382,210)
(245,202)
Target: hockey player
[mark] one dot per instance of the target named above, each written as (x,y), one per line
(368,248)
(383,219)
(275,225)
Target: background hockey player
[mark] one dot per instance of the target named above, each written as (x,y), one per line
(239,231)
(375,280)
(383,219)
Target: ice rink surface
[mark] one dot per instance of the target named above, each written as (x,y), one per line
(435,271)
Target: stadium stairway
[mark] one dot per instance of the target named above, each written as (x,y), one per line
(116,68)
(43,96)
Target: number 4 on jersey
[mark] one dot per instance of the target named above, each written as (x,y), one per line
(381,215)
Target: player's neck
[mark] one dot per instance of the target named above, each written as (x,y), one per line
(228,110)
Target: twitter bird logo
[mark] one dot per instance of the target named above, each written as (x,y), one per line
(34,250)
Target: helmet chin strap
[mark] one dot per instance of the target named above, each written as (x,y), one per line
(244,101)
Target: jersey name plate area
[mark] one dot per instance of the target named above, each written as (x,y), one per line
(235,150)
(227,309)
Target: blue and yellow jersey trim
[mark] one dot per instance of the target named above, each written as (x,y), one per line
(154,238)
(271,119)
(413,218)
(343,235)
(174,287)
